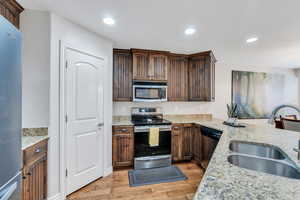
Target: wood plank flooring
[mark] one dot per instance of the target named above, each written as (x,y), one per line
(116,187)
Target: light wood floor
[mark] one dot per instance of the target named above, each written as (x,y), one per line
(116,187)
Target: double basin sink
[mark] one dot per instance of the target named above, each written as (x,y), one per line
(263,158)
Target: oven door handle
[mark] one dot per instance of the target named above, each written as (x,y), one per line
(148,130)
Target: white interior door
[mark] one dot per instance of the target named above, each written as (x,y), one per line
(84,122)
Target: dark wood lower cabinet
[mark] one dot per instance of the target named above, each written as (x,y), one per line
(34,184)
(35,180)
(197,145)
(182,136)
(187,144)
(123,146)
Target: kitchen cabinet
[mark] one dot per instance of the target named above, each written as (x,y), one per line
(197,145)
(122,75)
(34,184)
(149,65)
(182,137)
(202,77)
(158,69)
(11,10)
(123,146)
(189,77)
(140,60)
(178,78)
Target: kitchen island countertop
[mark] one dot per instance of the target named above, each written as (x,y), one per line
(224,181)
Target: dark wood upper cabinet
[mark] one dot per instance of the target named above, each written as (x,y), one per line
(202,77)
(122,75)
(140,61)
(149,65)
(11,10)
(189,77)
(158,67)
(178,78)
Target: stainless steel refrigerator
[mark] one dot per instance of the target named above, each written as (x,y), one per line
(10,111)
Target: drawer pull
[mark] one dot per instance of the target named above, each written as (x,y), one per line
(38,150)
(176,128)
(123,130)
(29,174)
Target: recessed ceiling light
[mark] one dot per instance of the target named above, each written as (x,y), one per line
(251,40)
(190,31)
(109,21)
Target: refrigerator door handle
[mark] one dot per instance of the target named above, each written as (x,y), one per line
(9,191)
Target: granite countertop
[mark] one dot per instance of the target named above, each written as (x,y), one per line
(28,141)
(122,121)
(224,181)
(181,119)
(126,120)
(32,136)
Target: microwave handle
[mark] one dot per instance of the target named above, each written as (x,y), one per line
(160,93)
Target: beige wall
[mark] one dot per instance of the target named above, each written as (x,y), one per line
(223,94)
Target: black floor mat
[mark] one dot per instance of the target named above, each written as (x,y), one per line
(155,176)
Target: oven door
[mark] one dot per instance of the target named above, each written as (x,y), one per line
(149,93)
(142,147)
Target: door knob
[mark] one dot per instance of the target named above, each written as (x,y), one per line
(100,124)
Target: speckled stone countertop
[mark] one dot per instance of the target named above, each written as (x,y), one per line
(224,181)
(126,120)
(179,119)
(28,141)
(122,121)
(32,136)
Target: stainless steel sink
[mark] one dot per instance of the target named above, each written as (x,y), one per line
(256,149)
(265,165)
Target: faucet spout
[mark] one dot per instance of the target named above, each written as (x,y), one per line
(275,111)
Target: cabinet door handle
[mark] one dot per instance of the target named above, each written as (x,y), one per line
(29,174)
(38,150)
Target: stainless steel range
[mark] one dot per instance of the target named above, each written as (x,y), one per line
(146,155)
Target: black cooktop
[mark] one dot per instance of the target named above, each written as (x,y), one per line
(139,120)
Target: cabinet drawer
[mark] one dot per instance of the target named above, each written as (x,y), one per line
(122,130)
(179,126)
(34,152)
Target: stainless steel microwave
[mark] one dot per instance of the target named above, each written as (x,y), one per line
(149,91)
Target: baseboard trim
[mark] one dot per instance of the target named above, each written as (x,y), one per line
(108,171)
(56,197)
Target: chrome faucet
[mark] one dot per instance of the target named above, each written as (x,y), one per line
(273,115)
(298,150)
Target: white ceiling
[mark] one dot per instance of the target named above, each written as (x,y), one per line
(222,26)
